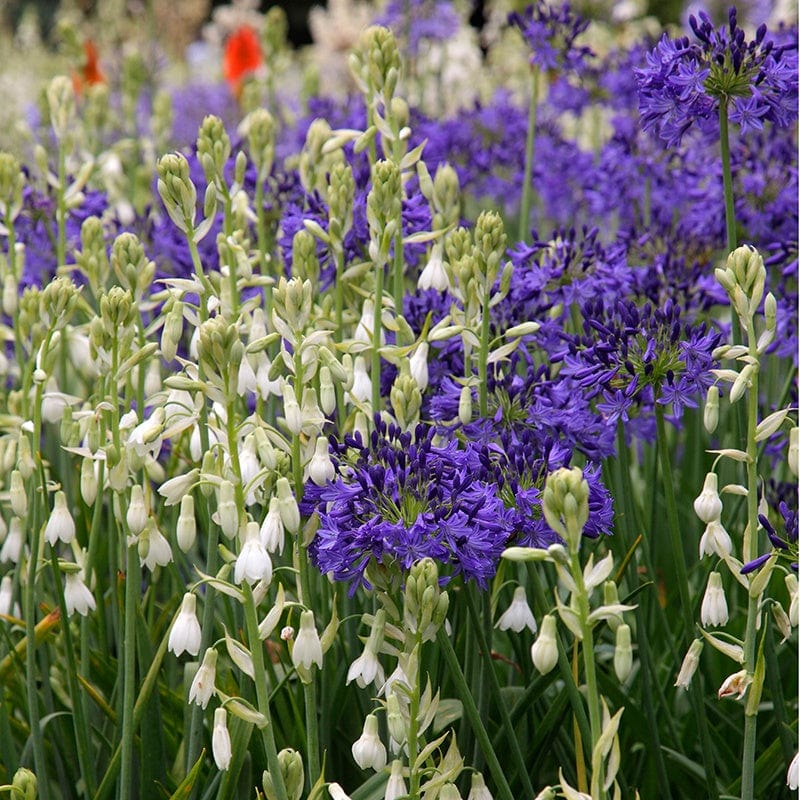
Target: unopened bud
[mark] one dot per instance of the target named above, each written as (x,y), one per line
(711,409)
(623,653)
(186,529)
(544,651)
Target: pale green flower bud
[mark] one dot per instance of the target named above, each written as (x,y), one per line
(24,782)
(59,299)
(794,606)
(327,391)
(221,740)
(131,266)
(465,405)
(450,792)
(425,604)
(213,148)
(711,409)
(25,462)
(227,511)
(315,164)
(177,190)
(88,481)
(161,118)
(12,182)
(92,259)
(274,33)
(490,242)
(383,59)
(313,418)
(61,104)
(406,400)
(290,513)
(794,449)
(186,529)
(690,663)
(341,191)
(611,598)
(291,766)
(18,495)
(305,264)
(544,651)
(446,197)
(137,515)
(172,331)
(10,294)
(565,504)
(260,129)
(623,653)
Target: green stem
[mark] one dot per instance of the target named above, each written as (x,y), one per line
(398,265)
(262,691)
(375,370)
(61,208)
(587,649)
(682,578)
(483,356)
(471,710)
(530,143)
(78,708)
(212,534)
(312,730)
(749,552)
(413,730)
(129,655)
(494,685)
(29,605)
(727,182)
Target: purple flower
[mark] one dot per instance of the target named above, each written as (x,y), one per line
(550,30)
(401,498)
(418,21)
(684,82)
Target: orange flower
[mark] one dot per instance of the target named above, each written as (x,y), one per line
(242,56)
(90,73)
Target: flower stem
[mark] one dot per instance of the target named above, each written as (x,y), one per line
(129,667)
(727,182)
(587,648)
(483,355)
(29,606)
(530,143)
(749,552)
(262,691)
(471,710)
(682,577)
(375,369)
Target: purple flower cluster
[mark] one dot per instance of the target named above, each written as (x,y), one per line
(685,81)
(398,499)
(550,30)
(420,21)
(634,357)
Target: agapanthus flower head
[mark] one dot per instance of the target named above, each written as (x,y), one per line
(636,356)
(400,498)
(421,20)
(550,30)
(685,81)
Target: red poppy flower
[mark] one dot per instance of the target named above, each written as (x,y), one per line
(242,56)
(90,73)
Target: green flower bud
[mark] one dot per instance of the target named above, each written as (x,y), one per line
(290,763)
(92,260)
(315,163)
(422,607)
(446,197)
(260,130)
(406,400)
(305,264)
(61,104)
(161,118)
(623,653)
(711,409)
(465,405)
(59,299)
(274,33)
(177,190)
(130,264)
(213,148)
(12,182)
(565,504)
(341,191)
(24,782)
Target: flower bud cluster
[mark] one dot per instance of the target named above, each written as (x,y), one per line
(425,604)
